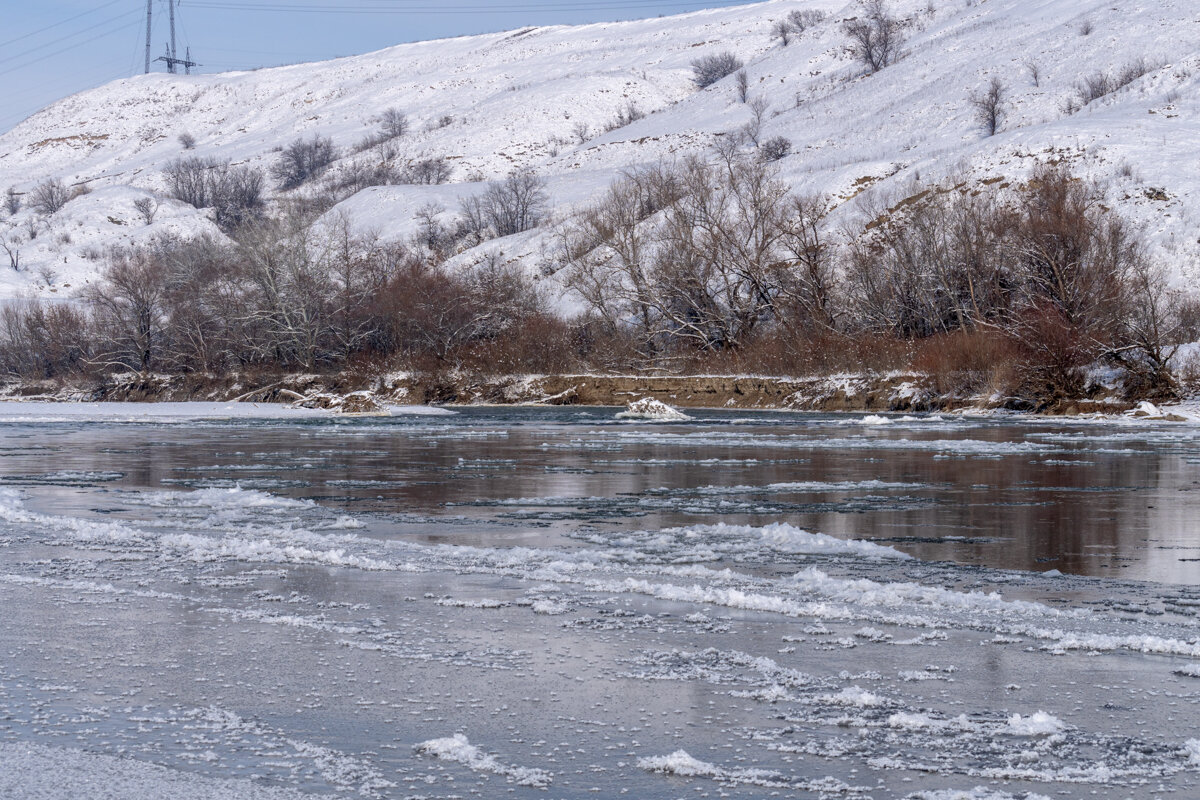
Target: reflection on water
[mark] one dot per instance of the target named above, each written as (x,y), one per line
(1083,498)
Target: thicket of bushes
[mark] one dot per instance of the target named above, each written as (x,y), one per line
(695,265)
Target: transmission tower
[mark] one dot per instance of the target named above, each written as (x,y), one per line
(171,58)
(149,19)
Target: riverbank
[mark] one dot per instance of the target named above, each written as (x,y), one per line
(358,393)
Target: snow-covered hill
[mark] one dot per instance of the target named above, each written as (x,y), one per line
(522,98)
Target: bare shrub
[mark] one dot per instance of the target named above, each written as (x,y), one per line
(782,31)
(742,81)
(434,170)
(354,175)
(775,148)
(146,208)
(801,20)
(188,180)
(1098,84)
(50,196)
(393,123)
(44,340)
(974,361)
(709,69)
(303,160)
(876,37)
(990,107)
(236,193)
(12,201)
(187,141)
(1086,27)
(626,115)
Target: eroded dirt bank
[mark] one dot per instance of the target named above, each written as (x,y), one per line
(356,392)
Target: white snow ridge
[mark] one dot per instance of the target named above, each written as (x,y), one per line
(516,99)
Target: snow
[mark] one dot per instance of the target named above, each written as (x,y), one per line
(40,412)
(1037,724)
(458,748)
(514,99)
(976,793)
(39,772)
(647,408)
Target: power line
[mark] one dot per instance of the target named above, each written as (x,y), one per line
(122,26)
(588,5)
(60,22)
(81,32)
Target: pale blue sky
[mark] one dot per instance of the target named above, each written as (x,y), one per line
(53,48)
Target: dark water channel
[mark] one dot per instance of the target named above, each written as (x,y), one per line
(1086,498)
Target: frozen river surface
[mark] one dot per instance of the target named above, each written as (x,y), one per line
(556,603)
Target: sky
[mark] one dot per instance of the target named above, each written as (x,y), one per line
(50,49)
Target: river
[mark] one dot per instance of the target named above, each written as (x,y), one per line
(220,601)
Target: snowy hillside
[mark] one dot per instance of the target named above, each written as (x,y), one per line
(542,97)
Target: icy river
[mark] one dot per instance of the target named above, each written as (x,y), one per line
(222,602)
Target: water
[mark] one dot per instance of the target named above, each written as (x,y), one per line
(321,605)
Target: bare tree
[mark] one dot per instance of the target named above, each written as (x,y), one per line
(146,207)
(709,69)
(393,123)
(875,38)
(808,282)
(516,204)
(582,132)
(782,31)
(752,130)
(49,196)
(129,304)
(12,201)
(14,254)
(743,85)
(607,251)
(1035,72)
(989,105)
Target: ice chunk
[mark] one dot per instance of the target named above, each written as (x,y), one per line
(459,749)
(1036,724)
(648,408)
